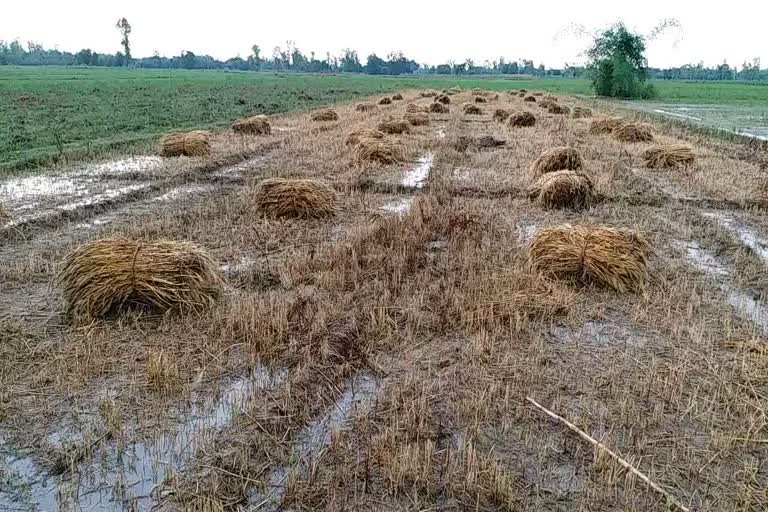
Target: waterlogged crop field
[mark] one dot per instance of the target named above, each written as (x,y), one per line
(398,351)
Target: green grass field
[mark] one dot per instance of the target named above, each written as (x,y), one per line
(47,112)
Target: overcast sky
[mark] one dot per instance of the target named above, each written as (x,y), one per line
(427,31)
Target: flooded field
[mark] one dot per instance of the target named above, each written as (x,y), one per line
(750,121)
(383,354)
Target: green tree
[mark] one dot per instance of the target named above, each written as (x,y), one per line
(125,31)
(617,64)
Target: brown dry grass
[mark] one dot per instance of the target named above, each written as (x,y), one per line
(669,156)
(255,125)
(411,108)
(355,136)
(417,118)
(605,125)
(480,99)
(581,112)
(634,132)
(386,100)
(563,189)
(195,143)
(106,277)
(557,159)
(433,303)
(521,118)
(444,99)
(605,256)
(327,114)
(501,115)
(378,150)
(471,109)
(397,97)
(365,107)
(439,108)
(293,198)
(394,126)
(555,108)
(428,94)
(530,99)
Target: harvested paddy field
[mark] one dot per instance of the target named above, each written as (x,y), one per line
(376,311)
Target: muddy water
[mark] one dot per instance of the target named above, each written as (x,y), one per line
(358,398)
(417,176)
(747,236)
(746,306)
(123,478)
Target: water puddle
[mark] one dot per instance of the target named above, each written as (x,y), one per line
(748,237)
(92,201)
(747,306)
(124,478)
(180,192)
(665,185)
(124,166)
(238,170)
(417,176)
(675,114)
(601,332)
(399,206)
(358,398)
(242,265)
(526,232)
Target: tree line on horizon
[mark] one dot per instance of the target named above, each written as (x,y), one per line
(291,59)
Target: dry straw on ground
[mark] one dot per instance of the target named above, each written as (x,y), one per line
(473,110)
(393,126)
(106,277)
(464,142)
(386,100)
(195,143)
(605,125)
(634,132)
(357,135)
(530,99)
(550,97)
(378,150)
(480,99)
(557,159)
(545,103)
(555,108)
(416,118)
(538,93)
(669,156)
(581,112)
(439,108)
(5,215)
(255,125)
(416,108)
(443,99)
(501,115)
(397,97)
(428,94)
(521,94)
(563,189)
(608,257)
(326,114)
(522,118)
(365,107)
(294,198)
